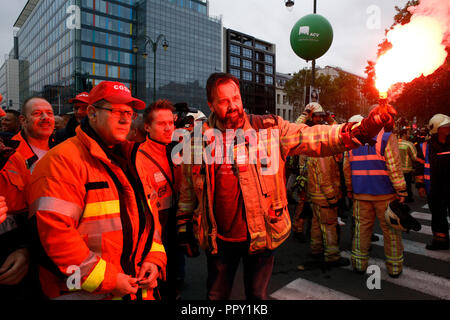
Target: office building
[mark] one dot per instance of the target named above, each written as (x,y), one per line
(252,61)
(284,108)
(68,46)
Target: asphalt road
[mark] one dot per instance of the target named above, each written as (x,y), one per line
(426,275)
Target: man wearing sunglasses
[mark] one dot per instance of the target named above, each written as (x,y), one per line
(92,210)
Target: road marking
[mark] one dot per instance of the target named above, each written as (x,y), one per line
(302,289)
(418,248)
(414,279)
(424,216)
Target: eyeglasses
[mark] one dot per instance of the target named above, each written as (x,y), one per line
(116,113)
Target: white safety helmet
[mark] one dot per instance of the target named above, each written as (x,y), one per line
(315,108)
(356,118)
(437,121)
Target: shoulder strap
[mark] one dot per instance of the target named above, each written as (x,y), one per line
(161,169)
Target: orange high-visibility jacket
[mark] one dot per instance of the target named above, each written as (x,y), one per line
(87,218)
(14,177)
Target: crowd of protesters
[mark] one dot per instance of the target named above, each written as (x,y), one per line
(95,207)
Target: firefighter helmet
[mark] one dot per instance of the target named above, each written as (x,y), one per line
(315,108)
(437,121)
(397,217)
(356,118)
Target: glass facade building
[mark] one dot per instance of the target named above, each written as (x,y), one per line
(252,61)
(194,50)
(58,61)
(106,46)
(46,46)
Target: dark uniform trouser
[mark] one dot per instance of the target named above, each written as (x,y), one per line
(440,209)
(324,237)
(222,269)
(364,213)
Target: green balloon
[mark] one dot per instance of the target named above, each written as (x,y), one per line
(311,36)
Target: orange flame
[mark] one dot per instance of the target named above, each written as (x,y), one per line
(417,48)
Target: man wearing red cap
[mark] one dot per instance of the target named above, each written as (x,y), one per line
(80,103)
(100,235)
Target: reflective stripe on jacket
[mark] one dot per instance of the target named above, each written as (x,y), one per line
(87,216)
(426,166)
(324,184)
(368,168)
(408,155)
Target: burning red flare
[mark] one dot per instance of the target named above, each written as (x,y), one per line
(418,48)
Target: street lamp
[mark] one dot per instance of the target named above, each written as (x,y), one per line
(289,4)
(154,46)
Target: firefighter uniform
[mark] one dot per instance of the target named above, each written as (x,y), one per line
(433,173)
(408,156)
(93,212)
(324,192)
(375,176)
(154,165)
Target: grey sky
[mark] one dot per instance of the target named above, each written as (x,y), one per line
(353,42)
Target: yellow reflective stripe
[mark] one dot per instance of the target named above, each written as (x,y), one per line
(144,293)
(96,277)
(157,247)
(96,209)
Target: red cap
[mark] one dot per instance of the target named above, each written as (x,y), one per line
(82,97)
(114,92)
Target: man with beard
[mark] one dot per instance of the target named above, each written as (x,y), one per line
(238,209)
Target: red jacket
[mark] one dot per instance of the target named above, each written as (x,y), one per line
(87,216)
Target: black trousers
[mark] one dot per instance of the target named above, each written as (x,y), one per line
(223,266)
(440,210)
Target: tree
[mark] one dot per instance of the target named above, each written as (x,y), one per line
(339,94)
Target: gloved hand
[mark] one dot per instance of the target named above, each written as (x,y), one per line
(368,128)
(186,239)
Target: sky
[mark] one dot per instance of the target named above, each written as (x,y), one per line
(358,27)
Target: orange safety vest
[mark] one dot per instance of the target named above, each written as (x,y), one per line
(88,218)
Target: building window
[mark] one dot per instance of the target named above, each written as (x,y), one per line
(289,112)
(269,69)
(236,73)
(269,58)
(284,114)
(247,53)
(247,75)
(278,98)
(269,80)
(234,61)
(284,99)
(235,49)
(247,64)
